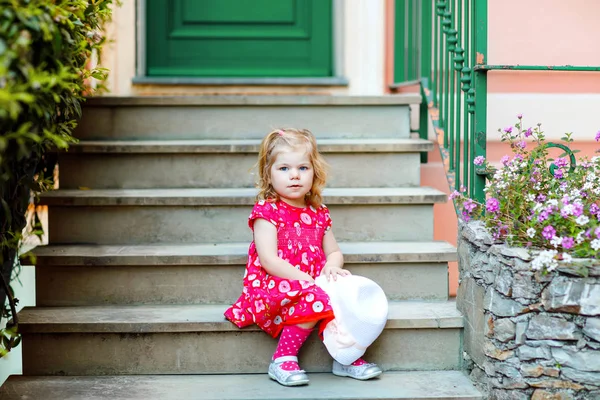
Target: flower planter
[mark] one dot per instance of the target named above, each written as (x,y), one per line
(528,335)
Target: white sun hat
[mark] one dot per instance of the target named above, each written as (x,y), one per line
(360,308)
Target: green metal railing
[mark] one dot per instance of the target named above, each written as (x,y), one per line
(442,46)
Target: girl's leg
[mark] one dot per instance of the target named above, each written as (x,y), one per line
(291,340)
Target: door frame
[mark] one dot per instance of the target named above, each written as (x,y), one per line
(338,55)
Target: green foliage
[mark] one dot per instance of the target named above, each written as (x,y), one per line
(45,48)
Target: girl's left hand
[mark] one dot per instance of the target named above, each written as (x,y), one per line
(333,272)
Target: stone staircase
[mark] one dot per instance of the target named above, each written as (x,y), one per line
(148,241)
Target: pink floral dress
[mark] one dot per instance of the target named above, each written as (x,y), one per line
(272,302)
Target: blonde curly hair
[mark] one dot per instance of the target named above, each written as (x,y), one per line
(294,139)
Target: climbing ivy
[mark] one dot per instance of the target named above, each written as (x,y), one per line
(45,52)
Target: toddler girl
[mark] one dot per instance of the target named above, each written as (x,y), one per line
(293,244)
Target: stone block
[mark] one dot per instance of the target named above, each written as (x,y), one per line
(509,371)
(520,330)
(576,297)
(504,330)
(470,302)
(533,353)
(545,327)
(590,378)
(501,306)
(592,328)
(525,286)
(504,282)
(540,394)
(492,351)
(555,384)
(584,360)
(508,395)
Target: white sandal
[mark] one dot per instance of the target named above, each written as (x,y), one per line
(287,378)
(360,372)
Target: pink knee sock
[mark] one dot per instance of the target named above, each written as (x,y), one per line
(291,339)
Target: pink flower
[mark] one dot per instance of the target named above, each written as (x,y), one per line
(548,232)
(479,160)
(597,136)
(470,205)
(306,218)
(568,242)
(259,305)
(519,116)
(508,129)
(522,144)
(528,132)
(558,173)
(284,286)
(492,205)
(505,159)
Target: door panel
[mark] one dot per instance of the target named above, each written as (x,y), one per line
(239,38)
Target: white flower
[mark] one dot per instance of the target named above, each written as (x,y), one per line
(588,186)
(579,237)
(531,232)
(530,197)
(556,241)
(582,220)
(546,259)
(568,209)
(595,244)
(552,202)
(567,257)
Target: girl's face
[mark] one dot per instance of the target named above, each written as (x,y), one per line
(292,176)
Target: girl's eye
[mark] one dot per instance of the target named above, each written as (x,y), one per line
(303,168)
(283,168)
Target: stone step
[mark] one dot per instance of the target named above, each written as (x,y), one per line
(409,385)
(80,275)
(195,339)
(244,117)
(134,216)
(228,163)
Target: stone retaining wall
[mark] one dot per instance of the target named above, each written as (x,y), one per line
(528,335)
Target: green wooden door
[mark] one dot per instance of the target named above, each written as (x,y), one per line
(239,38)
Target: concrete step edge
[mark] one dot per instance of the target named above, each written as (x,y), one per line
(244,146)
(254,100)
(397,385)
(204,318)
(232,254)
(233,196)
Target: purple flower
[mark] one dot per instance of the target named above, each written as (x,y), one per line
(479,160)
(508,129)
(597,232)
(504,160)
(519,116)
(597,136)
(492,205)
(577,209)
(541,198)
(561,162)
(528,132)
(558,173)
(543,216)
(466,216)
(519,157)
(522,144)
(470,205)
(454,195)
(568,242)
(594,208)
(548,232)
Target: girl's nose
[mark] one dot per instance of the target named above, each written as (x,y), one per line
(294,174)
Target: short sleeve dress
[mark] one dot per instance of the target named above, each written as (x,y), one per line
(272,302)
